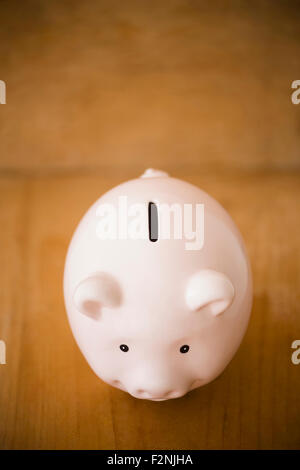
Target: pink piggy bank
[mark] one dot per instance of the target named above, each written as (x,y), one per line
(157,287)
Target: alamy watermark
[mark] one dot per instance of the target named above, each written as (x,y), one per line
(295,96)
(296,354)
(153,221)
(2,92)
(2,352)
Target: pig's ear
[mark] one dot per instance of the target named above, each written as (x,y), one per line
(97,291)
(211,289)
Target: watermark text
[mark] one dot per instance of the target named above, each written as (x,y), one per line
(2,92)
(154,221)
(2,352)
(295,96)
(296,354)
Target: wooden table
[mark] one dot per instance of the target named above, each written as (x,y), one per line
(50,399)
(96,93)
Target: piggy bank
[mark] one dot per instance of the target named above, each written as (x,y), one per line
(157,287)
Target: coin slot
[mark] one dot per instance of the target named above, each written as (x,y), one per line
(153,221)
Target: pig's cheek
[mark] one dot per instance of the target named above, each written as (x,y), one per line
(107,365)
(210,360)
(103,354)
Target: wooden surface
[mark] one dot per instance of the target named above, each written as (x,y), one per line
(110,83)
(97,92)
(49,398)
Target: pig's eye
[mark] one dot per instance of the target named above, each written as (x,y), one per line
(184,349)
(124,347)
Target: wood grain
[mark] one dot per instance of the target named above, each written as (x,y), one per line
(96,93)
(111,83)
(50,399)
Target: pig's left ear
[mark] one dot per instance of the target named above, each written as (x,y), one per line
(209,288)
(97,291)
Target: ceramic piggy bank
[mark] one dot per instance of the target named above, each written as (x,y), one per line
(157,287)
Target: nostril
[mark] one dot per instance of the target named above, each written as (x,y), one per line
(171,394)
(160,395)
(196,383)
(156,395)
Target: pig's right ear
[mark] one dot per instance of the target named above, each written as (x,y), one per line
(97,291)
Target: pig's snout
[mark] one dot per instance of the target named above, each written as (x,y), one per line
(155,385)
